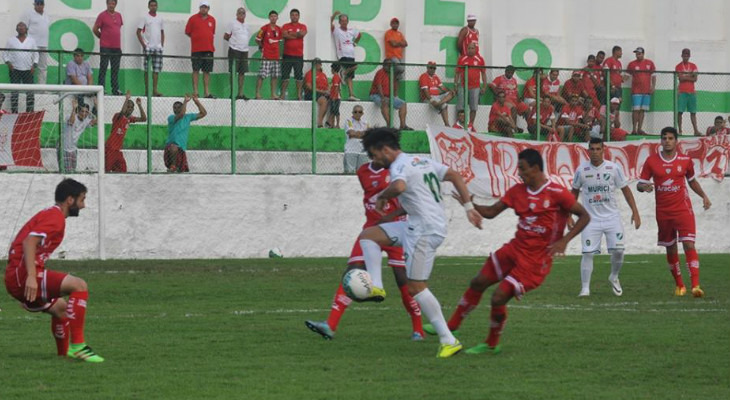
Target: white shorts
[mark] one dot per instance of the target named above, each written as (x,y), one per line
(419,250)
(590,238)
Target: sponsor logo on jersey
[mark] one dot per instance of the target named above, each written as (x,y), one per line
(679,168)
(546,204)
(532,206)
(599,189)
(606,177)
(589,176)
(417,161)
(668,170)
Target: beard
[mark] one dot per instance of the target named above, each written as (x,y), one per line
(73,211)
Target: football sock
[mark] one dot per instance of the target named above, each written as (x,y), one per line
(413,309)
(339,305)
(617,261)
(76,314)
(432,310)
(373,256)
(60,330)
(469,301)
(497,318)
(693,263)
(673,260)
(586,269)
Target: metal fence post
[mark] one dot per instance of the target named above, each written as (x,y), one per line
(467,110)
(148,83)
(538,115)
(608,104)
(674,98)
(314,118)
(233,66)
(391,95)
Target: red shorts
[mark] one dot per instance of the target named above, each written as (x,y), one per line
(681,227)
(176,162)
(395,255)
(525,273)
(49,287)
(114,161)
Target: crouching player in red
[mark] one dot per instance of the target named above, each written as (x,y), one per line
(374,179)
(670,171)
(42,290)
(522,264)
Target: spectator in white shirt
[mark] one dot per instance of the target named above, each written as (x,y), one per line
(151,35)
(345,41)
(77,123)
(355,128)
(238,35)
(21,64)
(38,26)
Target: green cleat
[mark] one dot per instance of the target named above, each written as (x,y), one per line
(448,350)
(428,328)
(321,328)
(84,353)
(482,348)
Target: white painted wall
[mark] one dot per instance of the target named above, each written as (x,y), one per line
(201,216)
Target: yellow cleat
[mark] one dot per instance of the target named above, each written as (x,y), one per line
(377,295)
(680,291)
(698,292)
(448,350)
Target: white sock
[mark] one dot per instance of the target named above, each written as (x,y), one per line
(617,261)
(431,308)
(586,269)
(373,261)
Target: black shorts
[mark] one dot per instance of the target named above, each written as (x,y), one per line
(241,60)
(202,60)
(289,62)
(348,64)
(333,107)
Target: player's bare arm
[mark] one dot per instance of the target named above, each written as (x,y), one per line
(487,212)
(558,248)
(332,19)
(635,217)
(394,190)
(142,114)
(30,244)
(647,187)
(695,186)
(460,40)
(471,213)
(202,112)
(127,96)
(571,221)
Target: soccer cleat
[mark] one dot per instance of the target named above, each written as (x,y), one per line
(321,328)
(616,286)
(428,328)
(482,348)
(680,291)
(584,293)
(416,337)
(448,350)
(377,295)
(698,292)
(84,353)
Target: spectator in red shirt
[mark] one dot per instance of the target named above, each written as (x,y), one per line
(293,58)
(718,128)
(552,86)
(613,64)
(600,57)
(468,34)
(547,118)
(322,89)
(643,81)
(529,93)
(508,84)
(574,86)
(500,117)
(474,87)
(687,75)
(113,157)
(434,92)
(395,43)
(201,30)
(617,134)
(268,38)
(333,103)
(108,28)
(460,122)
(571,121)
(380,95)
(592,81)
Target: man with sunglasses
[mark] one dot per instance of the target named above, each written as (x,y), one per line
(355,128)
(434,92)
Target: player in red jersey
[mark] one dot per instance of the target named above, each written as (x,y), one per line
(42,290)
(522,264)
(374,179)
(113,157)
(666,173)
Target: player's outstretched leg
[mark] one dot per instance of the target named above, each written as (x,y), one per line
(327,328)
(586,269)
(673,262)
(76,313)
(617,261)
(693,264)
(497,319)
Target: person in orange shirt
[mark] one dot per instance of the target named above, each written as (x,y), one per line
(320,91)
(395,42)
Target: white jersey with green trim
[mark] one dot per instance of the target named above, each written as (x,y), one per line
(598,186)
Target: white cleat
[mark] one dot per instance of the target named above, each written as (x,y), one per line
(584,293)
(616,287)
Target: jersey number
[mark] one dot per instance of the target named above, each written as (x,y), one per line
(433,183)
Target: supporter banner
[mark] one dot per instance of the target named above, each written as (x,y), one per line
(489,163)
(20,143)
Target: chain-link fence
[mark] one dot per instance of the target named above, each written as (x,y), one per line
(267,116)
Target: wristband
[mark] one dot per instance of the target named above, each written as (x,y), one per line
(468,206)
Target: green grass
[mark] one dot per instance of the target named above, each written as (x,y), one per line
(224,329)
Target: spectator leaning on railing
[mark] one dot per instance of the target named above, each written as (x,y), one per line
(38,27)
(201,30)
(238,35)
(108,28)
(178,128)
(269,38)
(21,64)
(346,39)
(434,92)
(687,101)
(293,57)
(151,35)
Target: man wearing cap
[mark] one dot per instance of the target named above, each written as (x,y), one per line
(643,81)
(108,28)
(468,34)
(293,33)
(434,92)
(151,35)
(687,75)
(38,26)
(395,43)
(346,39)
(201,30)
(321,88)
(617,134)
(238,35)
(574,86)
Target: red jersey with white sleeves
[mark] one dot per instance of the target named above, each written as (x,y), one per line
(120,124)
(543,215)
(430,82)
(670,179)
(374,181)
(50,225)
(508,86)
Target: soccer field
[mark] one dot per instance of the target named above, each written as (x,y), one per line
(225,329)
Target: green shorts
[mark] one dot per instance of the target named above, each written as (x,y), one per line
(687,102)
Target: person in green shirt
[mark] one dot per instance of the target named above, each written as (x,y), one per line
(178,128)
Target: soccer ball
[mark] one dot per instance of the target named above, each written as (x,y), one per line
(275,253)
(357,284)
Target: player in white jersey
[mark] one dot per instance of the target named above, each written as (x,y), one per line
(416,181)
(596,181)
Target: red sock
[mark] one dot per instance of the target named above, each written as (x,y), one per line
(76,314)
(469,301)
(414,310)
(339,305)
(59,329)
(693,263)
(673,260)
(497,319)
